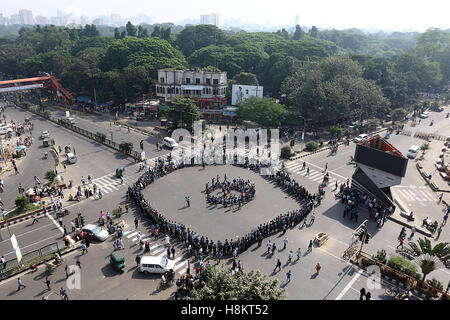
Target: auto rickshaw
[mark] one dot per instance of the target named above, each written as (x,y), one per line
(117,261)
(119,171)
(46,142)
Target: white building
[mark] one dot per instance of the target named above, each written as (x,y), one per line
(42,21)
(207,89)
(26,17)
(212,18)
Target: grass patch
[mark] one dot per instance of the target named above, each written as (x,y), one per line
(16,212)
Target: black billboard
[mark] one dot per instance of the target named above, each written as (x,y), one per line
(381,160)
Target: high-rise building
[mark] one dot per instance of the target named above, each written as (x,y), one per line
(297,20)
(26,17)
(115,19)
(212,18)
(3,20)
(42,21)
(14,19)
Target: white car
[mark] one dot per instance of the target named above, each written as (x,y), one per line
(424,115)
(71,120)
(170,143)
(45,135)
(4,129)
(151,264)
(360,138)
(96,232)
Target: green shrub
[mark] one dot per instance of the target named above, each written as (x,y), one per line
(435,283)
(311,146)
(21,202)
(286,152)
(117,213)
(50,175)
(380,256)
(404,265)
(128,146)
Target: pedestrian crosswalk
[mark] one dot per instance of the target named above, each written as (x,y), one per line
(109,183)
(158,250)
(314,174)
(417,194)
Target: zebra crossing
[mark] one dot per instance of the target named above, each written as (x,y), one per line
(316,175)
(416,194)
(158,250)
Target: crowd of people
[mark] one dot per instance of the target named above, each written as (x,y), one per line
(201,246)
(246,191)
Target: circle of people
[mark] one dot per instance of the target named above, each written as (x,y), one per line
(245,188)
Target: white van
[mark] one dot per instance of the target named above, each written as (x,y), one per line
(71,158)
(412,152)
(149,264)
(170,143)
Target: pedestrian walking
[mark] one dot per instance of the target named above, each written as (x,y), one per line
(20,284)
(362,293)
(173,252)
(138,260)
(299,254)
(440,197)
(278,265)
(288,276)
(313,217)
(318,267)
(439,232)
(326,166)
(310,245)
(401,241)
(78,263)
(444,221)
(413,230)
(67,271)
(47,282)
(274,248)
(34,219)
(3,262)
(136,223)
(83,249)
(73,226)
(65,231)
(290,257)
(60,220)
(269,247)
(307,171)
(188,201)
(285,241)
(368,296)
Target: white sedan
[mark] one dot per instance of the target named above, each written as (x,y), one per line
(360,138)
(96,232)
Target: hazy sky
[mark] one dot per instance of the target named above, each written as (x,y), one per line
(381,14)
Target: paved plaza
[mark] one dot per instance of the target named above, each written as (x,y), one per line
(168,194)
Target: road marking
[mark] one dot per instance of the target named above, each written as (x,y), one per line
(348,286)
(28,231)
(132,235)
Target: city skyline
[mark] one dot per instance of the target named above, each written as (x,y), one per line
(400,15)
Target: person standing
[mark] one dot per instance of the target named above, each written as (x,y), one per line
(288,276)
(274,248)
(368,296)
(439,232)
(47,282)
(278,265)
(269,247)
(67,271)
(3,262)
(136,223)
(362,293)
(78,263)
(20,284)
(318,267)
(326,166)
(413,230)
(290,257)
(299,254)
(188,201)
(313,217)
(310,246)
(285,241)
(83,248)
(440,197)
(445,218)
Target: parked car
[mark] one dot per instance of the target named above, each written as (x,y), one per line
(360,138)
(424,115)
(152,264)
(170,143)
(96,232)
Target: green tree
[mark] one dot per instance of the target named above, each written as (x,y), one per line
(264,111)
(423,247)
(126,146)
(299,33)
(286,152)
(195,37)
(314,32)
(217,283)
(116,33)
(183,109)
(398,114)
(41,106)
(21,203)
(246,78)
(311,146)
(131,29)
(50,175)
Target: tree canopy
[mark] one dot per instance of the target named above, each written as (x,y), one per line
(264,111)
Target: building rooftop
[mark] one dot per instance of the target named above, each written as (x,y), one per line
(378,143)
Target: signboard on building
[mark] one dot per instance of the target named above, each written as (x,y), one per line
(240,92)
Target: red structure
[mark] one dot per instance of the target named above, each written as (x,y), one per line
(48,83)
